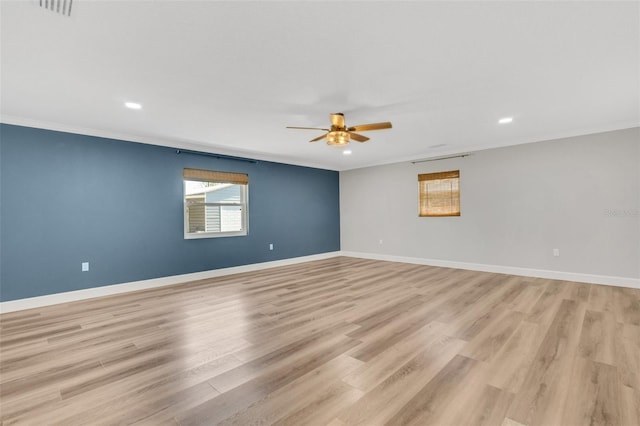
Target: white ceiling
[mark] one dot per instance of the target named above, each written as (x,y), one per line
(228,77)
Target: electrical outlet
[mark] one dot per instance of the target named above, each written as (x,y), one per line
(270,246)
(85,266)
(556,252)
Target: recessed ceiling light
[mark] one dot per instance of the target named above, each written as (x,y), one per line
(346,152)
(505,120)
(133,105)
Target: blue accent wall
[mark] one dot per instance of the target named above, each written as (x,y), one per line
(67,199)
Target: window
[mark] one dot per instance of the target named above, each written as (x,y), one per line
(439,194)
(215,203)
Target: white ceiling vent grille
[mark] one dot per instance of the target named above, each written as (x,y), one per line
(62,7)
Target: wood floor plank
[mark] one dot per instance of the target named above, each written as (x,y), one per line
(27,403)
(324,406)
(597,338)
(541,398)
(509,367)
(339,341)
(472,321)
(156,407)
(544,309)
(383,402)
(393,332)
(486,344)
(440,392)
(630,406)
(601,299)
(296,395)
(594,397)
(627,305)
(379,368)
(157,395)
(579,292)
(483,405)
(509,422)
(278,359)
(627,350)
(240,397)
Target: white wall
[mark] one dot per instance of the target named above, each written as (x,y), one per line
(580,194)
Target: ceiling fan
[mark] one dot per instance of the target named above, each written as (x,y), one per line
(340,135)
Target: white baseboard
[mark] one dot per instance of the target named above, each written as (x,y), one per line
(108,290)
(72,296)
(511,270)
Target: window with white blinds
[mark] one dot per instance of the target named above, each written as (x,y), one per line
(439,194)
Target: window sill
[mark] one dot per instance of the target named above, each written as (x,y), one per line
(199,235)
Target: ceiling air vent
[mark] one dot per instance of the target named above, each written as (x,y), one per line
(62,7)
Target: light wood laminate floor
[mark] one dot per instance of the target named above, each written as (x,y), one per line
(341,341)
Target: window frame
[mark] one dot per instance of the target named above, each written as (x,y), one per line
(427,177)
(243,204)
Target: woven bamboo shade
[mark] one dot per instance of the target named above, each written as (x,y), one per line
(439,194)
(218,177)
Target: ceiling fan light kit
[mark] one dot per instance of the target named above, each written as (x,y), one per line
(340,135)
(338,138)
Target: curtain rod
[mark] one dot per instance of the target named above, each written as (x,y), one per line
(220,156)
(441,158)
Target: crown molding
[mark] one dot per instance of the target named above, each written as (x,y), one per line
(158,141)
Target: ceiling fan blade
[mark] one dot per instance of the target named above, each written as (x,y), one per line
(337,120)
(319,138)
(372,126)
(307,128)
(357,137)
